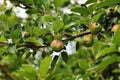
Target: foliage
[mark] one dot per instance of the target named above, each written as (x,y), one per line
(25,52)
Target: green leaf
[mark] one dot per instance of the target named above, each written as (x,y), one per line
(45,65)
(2,38)
(108,3)
(113,48)
(11,49)
(59,3)
(48,18)
(57,25)
(2,50)
(81,10)
(38,3)
(8,12)
(29,2)
(15,34)
(64,57)
(67,27)
(116,37)
(116,71)
(54,61)
(104,63)
(83,64)
(36,31)
(26,71)
(118,9)
(32,39)
(97,16)
(32,11)
(66,19)
(90,1)
(16,3)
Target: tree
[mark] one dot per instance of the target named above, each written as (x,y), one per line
(26,53)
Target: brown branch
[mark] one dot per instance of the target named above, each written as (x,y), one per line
(4,43)
(102,77)
(76,36)
(33,45)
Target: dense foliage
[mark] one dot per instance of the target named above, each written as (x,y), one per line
(26,53)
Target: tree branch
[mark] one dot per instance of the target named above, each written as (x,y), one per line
(76,36)
(4,43)
(33,45)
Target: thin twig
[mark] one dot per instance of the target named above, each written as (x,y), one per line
(101,76)
(4,43)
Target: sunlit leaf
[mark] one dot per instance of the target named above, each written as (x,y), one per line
(47,18)
(59,3)
(108,3)
(2,38)
(116,71)
(116,37)
(45,65)
(118,9)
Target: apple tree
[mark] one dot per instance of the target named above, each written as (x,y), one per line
(36,47)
